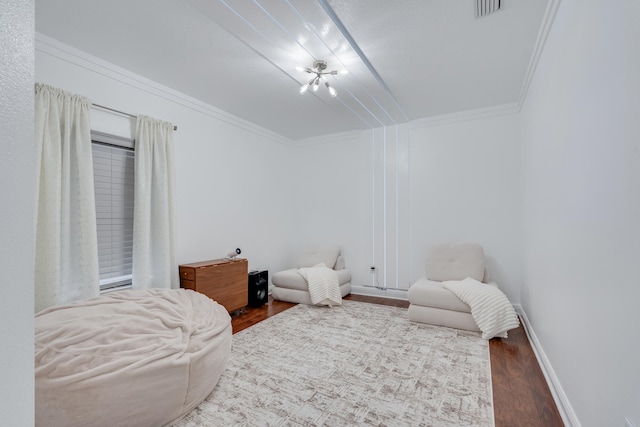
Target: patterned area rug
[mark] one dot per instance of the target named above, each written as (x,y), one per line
(356,364)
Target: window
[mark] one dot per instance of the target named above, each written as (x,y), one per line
(113,171)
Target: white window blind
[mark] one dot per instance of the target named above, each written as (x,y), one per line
(113,164)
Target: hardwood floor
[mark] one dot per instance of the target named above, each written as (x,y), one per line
(521,396)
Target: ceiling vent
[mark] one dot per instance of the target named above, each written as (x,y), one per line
(487,7)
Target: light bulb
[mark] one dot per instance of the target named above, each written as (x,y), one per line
(315,82)
(344,71)
(304,88)
(299,68)
(332,91)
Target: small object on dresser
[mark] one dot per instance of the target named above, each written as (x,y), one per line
(233,254)
(258,288)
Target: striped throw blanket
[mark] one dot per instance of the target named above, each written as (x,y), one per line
(490,307)
(324,288)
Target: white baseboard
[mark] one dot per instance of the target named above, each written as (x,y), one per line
(378,292)
(567,413)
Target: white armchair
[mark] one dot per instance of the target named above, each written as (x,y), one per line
(290,286)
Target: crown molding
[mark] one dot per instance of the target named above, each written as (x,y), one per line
(543,33)
(55,48)
(64,52)
(463,116)
(341,137)
(510,108)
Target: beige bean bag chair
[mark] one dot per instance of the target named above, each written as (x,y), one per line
(130,358)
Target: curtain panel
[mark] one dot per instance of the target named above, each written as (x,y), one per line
(154,263)
(66,261)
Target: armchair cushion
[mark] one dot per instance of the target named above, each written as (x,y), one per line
(291,279)
(456,262)
(316,254)
(430,293)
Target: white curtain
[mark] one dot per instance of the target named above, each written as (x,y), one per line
(154,207)
(66,238)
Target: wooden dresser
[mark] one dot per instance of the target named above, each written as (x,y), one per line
(223,280)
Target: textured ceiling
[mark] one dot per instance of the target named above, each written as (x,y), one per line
(407,59)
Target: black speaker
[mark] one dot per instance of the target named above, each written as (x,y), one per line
(258,288)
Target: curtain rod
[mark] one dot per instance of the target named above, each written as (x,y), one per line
(122,112)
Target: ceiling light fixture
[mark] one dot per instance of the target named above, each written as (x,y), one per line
(318,69)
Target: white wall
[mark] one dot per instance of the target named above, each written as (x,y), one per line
(328,197)
(465,186)
(232,178)
(386,218)
(581,133)
(340,185)
(459,181)
(17,186)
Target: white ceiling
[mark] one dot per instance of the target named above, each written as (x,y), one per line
(407,59)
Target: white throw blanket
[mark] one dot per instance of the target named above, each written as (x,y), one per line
(490,308)
(324,287)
